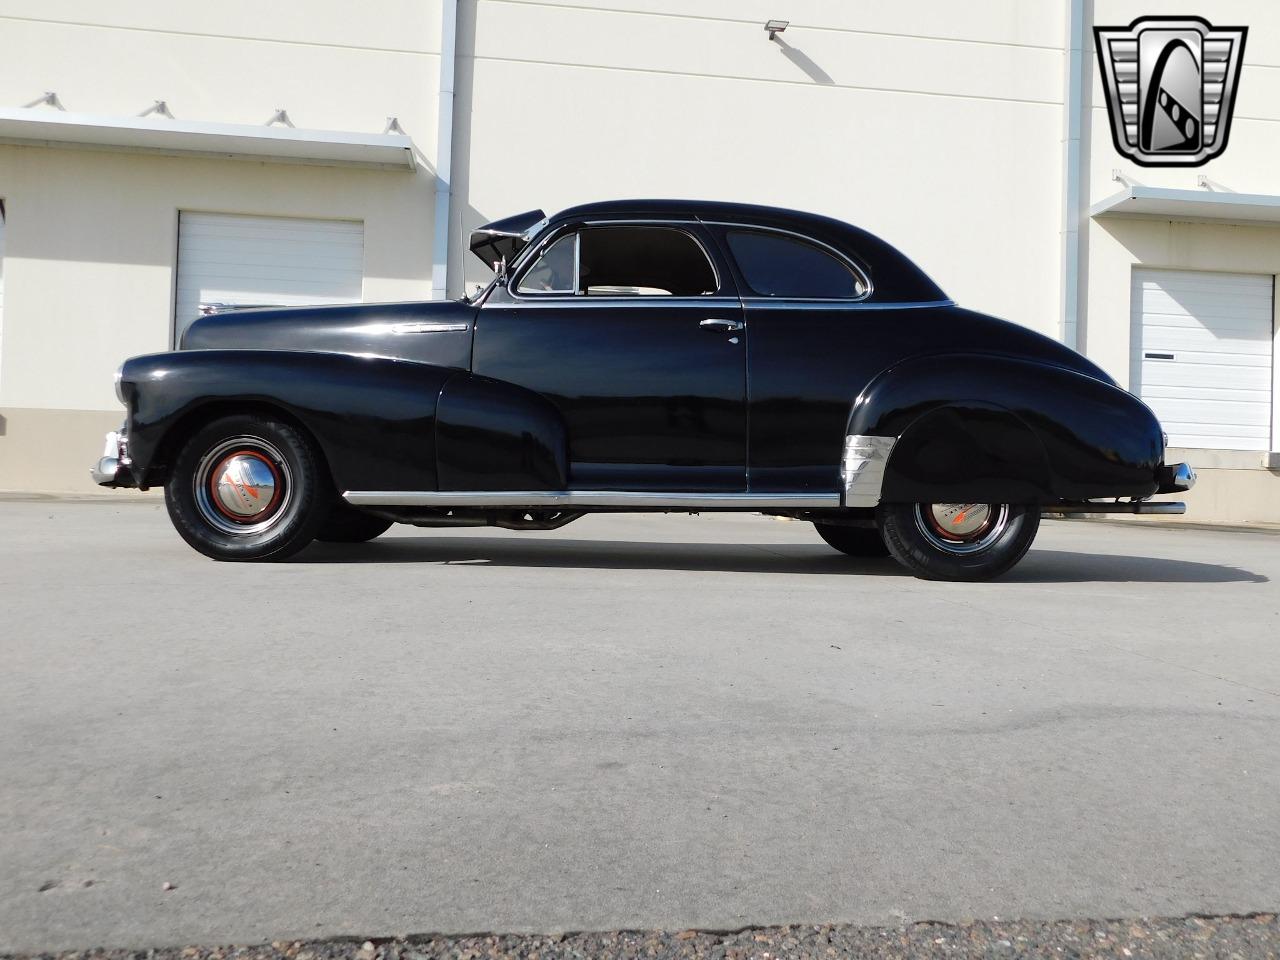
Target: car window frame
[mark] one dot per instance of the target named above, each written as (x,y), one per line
(748,294)
(687,227)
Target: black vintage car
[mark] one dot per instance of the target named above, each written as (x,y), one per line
(642,356)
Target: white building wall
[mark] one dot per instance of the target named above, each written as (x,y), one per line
(933,124)
(332,65)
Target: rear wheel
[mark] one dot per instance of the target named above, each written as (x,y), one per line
(247,488)
(346,524)
(958,541)
(854,541)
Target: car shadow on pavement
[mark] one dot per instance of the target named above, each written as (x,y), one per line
(602,554)
(1063,566)
(1039,566)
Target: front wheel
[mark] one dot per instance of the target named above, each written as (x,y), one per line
(958,541)
(248,488)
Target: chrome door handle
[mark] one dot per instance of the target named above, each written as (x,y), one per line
(725,326)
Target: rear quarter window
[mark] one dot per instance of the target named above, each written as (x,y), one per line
(774,265)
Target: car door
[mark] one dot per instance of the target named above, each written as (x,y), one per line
(635,333)
(812,352)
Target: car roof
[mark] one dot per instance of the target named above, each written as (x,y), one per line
(894,277)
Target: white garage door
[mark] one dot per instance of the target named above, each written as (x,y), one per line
(231,259)
(1202,355)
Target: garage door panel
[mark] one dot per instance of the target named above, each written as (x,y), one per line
(282,273)
(1212,384)
(1260,394)
(1177,354)
(1222,324)
(1206,411)
(1194,302)
(236,259)
(232,250)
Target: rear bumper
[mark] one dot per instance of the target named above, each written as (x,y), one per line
(114,468)
(1176,477)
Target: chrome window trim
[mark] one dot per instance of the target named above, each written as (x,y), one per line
(590,498)
(573,303)
(857,271)
(558,296)
(814,303)
(513,288)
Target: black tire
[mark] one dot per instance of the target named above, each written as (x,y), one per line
(854,541)
(919,537)
(223,470)
(346,524)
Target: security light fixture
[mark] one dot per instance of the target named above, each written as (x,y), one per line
(776,27)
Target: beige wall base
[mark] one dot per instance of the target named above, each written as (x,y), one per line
(51,451)
(1233,496)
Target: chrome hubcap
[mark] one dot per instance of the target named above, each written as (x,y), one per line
(242,486)
(962,528)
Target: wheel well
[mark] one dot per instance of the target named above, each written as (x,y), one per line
(965,451)
(206,413)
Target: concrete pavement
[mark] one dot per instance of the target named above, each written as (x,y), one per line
(633,722)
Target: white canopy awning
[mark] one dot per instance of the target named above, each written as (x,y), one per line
(34,126)
(1168,204)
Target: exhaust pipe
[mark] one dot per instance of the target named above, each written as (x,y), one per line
(1164,507)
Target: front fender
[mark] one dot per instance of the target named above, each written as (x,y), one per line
(374,418)
(493,435)
(1001,429)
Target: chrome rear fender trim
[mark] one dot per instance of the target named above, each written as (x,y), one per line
(862,468)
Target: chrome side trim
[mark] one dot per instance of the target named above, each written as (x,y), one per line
(590,498)
(862,468)
(428,327)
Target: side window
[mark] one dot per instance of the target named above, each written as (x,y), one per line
(774,265)
(555,271)
(622,261)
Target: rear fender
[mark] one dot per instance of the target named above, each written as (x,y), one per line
(1000,429)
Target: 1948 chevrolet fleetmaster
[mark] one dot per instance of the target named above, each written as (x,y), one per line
(642,356)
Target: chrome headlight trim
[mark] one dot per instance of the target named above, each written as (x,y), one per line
(119,388)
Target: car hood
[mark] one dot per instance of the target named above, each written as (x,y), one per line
(430,332)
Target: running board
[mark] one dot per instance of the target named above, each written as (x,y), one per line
(1142,506)
(635,499)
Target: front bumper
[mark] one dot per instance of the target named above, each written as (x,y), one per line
(114,468)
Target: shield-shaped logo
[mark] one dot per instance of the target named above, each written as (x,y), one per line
(1171,86)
